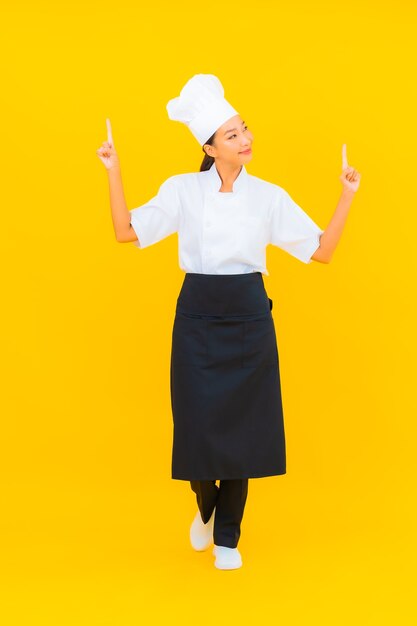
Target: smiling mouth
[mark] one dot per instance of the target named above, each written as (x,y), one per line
(248,150)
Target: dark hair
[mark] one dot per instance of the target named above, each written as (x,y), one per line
(208,160)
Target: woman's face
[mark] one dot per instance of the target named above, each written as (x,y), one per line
(231,142)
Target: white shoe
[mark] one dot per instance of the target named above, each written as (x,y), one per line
(201,534)
(227,558)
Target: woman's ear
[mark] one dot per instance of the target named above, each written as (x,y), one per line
(208,149)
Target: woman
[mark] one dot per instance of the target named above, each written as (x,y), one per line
(225,380)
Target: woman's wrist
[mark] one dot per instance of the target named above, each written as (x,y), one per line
(348,192)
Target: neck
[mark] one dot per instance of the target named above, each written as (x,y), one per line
(228,174)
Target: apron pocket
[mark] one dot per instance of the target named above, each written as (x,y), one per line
(189,340)
(259,343)
(225,343)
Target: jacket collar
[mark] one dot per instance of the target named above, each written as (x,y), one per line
(215,182)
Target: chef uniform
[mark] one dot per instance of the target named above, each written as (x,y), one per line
(224,374)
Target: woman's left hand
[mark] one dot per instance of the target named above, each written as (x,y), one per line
(350,177)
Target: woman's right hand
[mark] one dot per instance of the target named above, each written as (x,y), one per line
(106,153)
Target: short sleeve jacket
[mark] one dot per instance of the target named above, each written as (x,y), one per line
(225,232)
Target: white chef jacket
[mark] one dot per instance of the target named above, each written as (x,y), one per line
(225,232)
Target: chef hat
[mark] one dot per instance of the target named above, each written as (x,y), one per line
(201,106)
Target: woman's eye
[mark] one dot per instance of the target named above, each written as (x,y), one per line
(231,136)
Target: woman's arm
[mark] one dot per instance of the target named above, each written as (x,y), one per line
(330,238)
(119,211)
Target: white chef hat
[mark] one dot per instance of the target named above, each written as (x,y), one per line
(201,106)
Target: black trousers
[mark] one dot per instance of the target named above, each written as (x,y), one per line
(229,499)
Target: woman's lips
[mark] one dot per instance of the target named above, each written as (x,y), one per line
(246,151)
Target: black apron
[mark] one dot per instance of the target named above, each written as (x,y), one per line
(225,381)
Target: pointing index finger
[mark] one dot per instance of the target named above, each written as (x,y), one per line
(109,133)
(344,158)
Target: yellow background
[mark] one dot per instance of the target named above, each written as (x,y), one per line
(93,529)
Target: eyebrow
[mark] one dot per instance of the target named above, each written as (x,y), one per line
(230,129)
